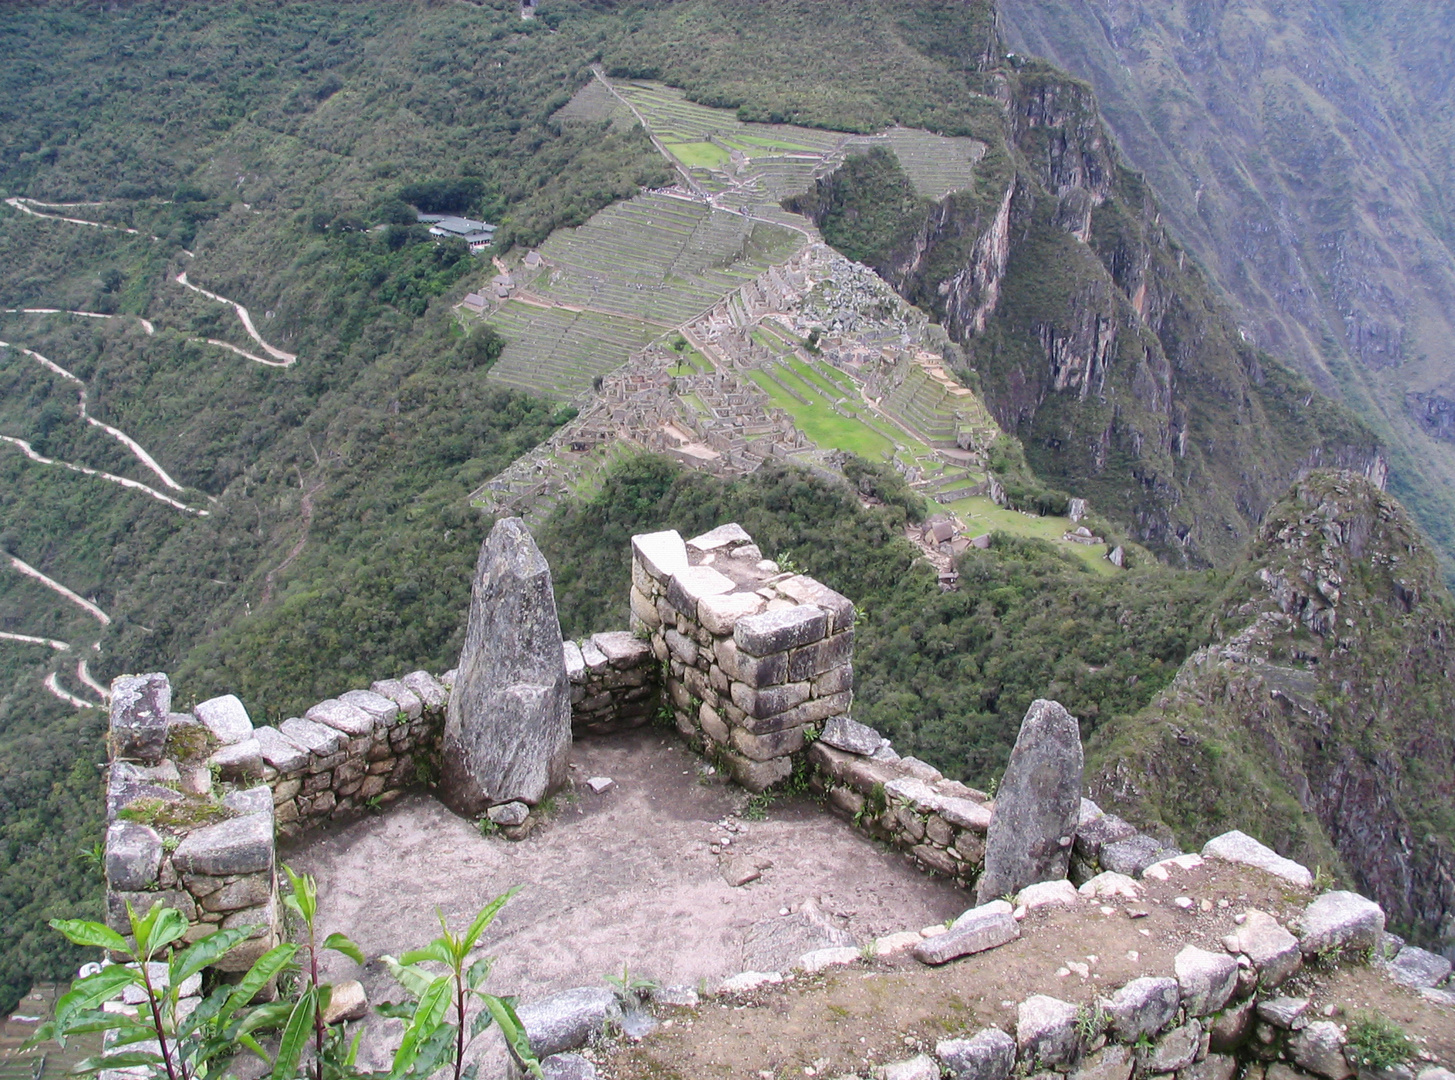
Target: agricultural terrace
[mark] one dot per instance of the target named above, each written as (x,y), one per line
(635,270)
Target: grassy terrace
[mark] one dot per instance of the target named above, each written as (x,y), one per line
(556,352)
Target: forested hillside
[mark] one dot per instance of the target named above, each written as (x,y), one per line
(1303,153)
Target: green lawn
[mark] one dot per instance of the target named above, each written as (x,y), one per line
(981,515)
(699,155)
(825,427)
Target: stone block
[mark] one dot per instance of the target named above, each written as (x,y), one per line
(568,1020)
(1133,855)
(427,688)
(1229,1029)
(1319,1048)
(242,845)
(643,609)
(1048,894)
(939,831)
(250,890)
(1094,834)
(1112,1062)
(133,856)
(834,681)
(813,711)
(410,703)
(1207,979)
(1212,1067)
(757,775)
(974,932)
(859,773)
(382,709)
(623,650)
(226,718)
(682,647)
(1142,1007)
(254,800)
(1045,1032)
(723,538)
(1240,848)
(771,745)
(850,735)
(243,956)
(779,631)
(1418,968)
(239,760)
(688,586)
(937,859)
(660,554)
(142,902)
(720,613)
(1272,949)
(509,815)
(372,785)
(764,702)
(1175,1050)
(319,805)
(279,751)
(837,608)
(347,1002)
(127,783)
(921,1067)
(987,1055)
(139,708)
(348,719)
(808,661)
(1340,920)
(1108,884)
(1038,805)
(349,771)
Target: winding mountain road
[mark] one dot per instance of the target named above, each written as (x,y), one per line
(85,470)
(53,684)
(116,433)
(59,646)
(146,324)
(287,359)
(20,565)
(21,204)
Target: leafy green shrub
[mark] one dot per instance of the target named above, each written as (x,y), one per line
(1377,1042)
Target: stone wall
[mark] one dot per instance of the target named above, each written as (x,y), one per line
(616,683)
(757,660)
(940,824)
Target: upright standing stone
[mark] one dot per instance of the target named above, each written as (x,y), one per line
(1037,806)
(508,723)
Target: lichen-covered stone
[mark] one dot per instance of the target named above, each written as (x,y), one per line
(1239,847)
(316,738)
(567,1020)
(133,856)
(410,703)
(989,1054)
(279,751)
(1319,1048)
(341,716)
(1037,806)
(428,688)
(1340,920)
(851,736)
(974,932)
(139,708)
(242,845)
(1142,1007)
(779,631)
(1045,1031)
(226,718)
(508,724)
(1207,979)
(381,708)
(1272,949)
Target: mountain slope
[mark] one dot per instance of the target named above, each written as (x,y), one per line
(1304,154)
(1320,719)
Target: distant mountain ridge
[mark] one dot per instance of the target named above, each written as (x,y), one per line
(1304,154)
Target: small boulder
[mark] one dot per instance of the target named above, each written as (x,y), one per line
(745,981)
(922,1067)
(226,718)
(1108,884)
(1048,894)
(347,1002)
(1239,847)
(850,736)
(1045,1032)
(819,959)
(567,1020)
(975,934)
(675,997)
(1133,855)
(508,815)
(1207,979)
(1418,968)
(1272,949)
(1142,1007)
(1175,1050)
(1283,1012)
(1319,1048)
(1340,920)
(987,1055)
(568,1067)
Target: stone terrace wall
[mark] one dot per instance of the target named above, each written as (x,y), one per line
(758,660)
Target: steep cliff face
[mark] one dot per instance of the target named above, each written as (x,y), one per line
(1095,338)
(1321,715)
(1303,152)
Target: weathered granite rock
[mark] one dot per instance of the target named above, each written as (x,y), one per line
(1175,1050)
(142,902)
(1096,832)
(1207,979)
(844,734)
(226,718)
(1132,855)
(774,944)
(987,1055)
(745,981)
(1283,1012)
(1109,883)
(1229,1029)
(1319,1048)
(1037,806)
(1048,894)
(508,724)
(1142,1007)
(317,738)
(348,1002)
(922,1067)
(239,760)
(1340,920)
(242,845)
(778,631)
(279,751)
(139,707)
(835,956)
(127,783)
(1212,1067)
(675,996)
(381,708)
(133,856)
(1113,1062)
(987,930)
(1418,968)
(254,800)
(341,716)
(569,1019)
(1239,847)
(428,689)
(1045,1031)
(509,814)
(568,1067)
(1272,949)
(410,703)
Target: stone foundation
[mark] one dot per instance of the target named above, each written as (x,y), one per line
(616,683)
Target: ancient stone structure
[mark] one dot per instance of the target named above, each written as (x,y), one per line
(758,660)
(508,723)
(1037,806)
(614,683)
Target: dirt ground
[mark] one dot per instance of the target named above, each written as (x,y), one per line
(843,1022)
(624,878)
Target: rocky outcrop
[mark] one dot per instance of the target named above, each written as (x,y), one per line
(1319,711)
(508,723)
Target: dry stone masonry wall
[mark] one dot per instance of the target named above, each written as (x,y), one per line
(758,660)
